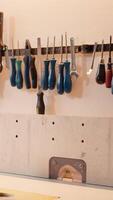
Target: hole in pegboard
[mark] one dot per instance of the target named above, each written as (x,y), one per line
(53,123)
(82,141)
(82,124)
(16,136)
(53,138)
(16,120)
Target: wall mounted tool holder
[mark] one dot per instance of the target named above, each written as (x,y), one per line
(85,48)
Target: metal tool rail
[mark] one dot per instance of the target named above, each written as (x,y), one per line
(85,48)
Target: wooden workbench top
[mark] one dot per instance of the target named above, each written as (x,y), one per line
(49,188)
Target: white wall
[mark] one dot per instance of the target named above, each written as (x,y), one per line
(88,21)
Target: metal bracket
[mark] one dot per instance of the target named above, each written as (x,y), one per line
(66,168)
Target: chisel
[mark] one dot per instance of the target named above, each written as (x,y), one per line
(27,64)
(19,76)
(52,73)
(13,68)
(40,106)
(101,73)
(60,79)
(45,75)
(109,67)
(67,77)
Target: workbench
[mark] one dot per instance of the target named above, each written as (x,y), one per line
(29,187)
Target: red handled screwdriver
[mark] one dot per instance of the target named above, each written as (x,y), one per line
(109,68)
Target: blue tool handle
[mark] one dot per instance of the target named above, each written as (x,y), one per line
(33,72)
(60,80)
(13,72)
(19,76)
(44,82)
(67,78)
(52,75)
(26,72)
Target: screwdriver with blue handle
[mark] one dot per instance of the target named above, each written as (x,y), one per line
(45,75)
(67,76)
(13,68)
(60,79)
(27,64)
(52,73)
(19,76)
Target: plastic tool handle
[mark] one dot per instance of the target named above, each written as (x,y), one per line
(13,72)
(26,72)
(45,75)
(40,107)
(101,74)
(109,68)
(52,75)
(60,81)
(67,78)
(1,66)
(19,76)
(112,85)
(33,72)
(108,78)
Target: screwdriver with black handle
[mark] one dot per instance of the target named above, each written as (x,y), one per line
(52,73)
(27,64)
(13,68)
(60,79)
(109,68)
(40,106)
(101,73)
(67,76)
(45,74)
(19,76)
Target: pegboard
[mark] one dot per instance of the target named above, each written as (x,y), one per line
(27,142)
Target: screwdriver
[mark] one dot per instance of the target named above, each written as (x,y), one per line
(101,73)
(27,64)
(13,68)
(19,77)
(67,77)
(60,80)
(52,74)
(109,68)
(40,106)
(45,75)
(93,60)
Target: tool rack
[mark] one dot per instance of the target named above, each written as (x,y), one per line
(85,48)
